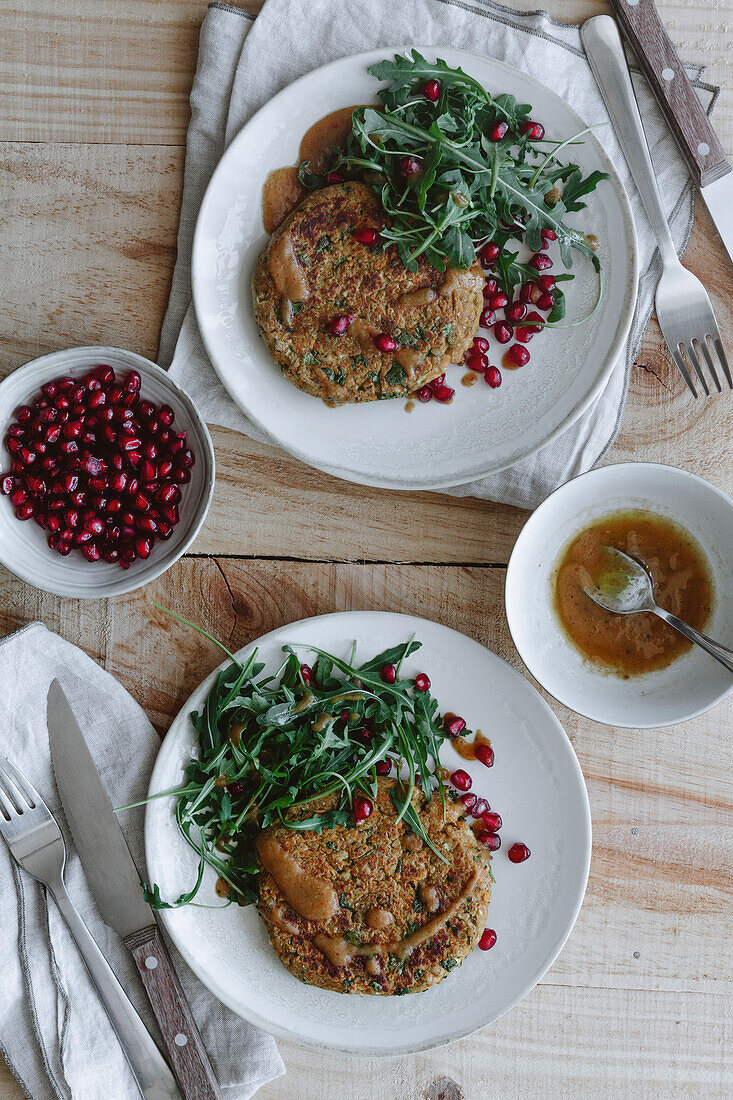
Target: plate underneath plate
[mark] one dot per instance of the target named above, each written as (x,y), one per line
(537,786)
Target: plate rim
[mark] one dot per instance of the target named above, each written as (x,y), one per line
(687,717)
(412,1047)
(609,360)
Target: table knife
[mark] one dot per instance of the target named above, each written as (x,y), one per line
(657,57)
(115,883)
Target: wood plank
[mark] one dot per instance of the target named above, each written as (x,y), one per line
(77,70)
(661,890)
(87,258)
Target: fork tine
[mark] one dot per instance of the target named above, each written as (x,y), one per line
(8,810)
(680,363)
(724,362)
(692,356)
(708,359)
(30,793)
(12,792)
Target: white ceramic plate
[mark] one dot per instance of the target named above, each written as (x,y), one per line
(691,684)
(23,546)
(537,786)
(483,430)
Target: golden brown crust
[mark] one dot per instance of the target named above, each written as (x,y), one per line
(382,867)
(338,275)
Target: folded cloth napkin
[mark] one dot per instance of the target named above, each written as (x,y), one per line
(243,61)
(54,1033)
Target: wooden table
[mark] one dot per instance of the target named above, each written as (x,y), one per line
(95,108)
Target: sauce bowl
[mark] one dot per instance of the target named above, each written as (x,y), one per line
(691,684)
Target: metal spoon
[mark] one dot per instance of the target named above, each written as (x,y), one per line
(626,588)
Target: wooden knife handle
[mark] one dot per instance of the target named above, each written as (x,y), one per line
(662,67)
(182,1038)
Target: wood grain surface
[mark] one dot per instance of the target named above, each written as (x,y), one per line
(94,108)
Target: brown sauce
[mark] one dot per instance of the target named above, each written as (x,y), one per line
(406,946)
(235,734)
(508,363)
(223,888)
(378,918)
(304,703)
(282,190)
(423,296)
(409,360)
(467,749)
(310,897)
(592,242)
(455,278)
(632,644)
(469,379)
(429,897)
(409,406)
(321,721)
(285,270)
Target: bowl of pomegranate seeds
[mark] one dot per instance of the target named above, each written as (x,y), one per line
(106,475)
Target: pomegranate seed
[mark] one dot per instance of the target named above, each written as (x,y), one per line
(388,675)
(443,394)
(502,332)
(385,343)
(53,523)
(425,394)
(422,682)
(339,325)
(366,234)
(490,254)
(187,458)
(18,496)
(487,318)
(480,807)
(12,445)
(462,780)
(148,470)
(518,355)
(410,166)
(485,755)
(518,853)
(546,282)
(453,725)
(488,939)
(133,382)
(140,502)
(468,800)
(27,456)
(545,301)
(7,484)
(540,262)
(164,530)
(548,234)
(171,514)
(91,552)
(489,840)
(383,767)
(437,382)
(148,525)
(145,409)
(94,525)
(497,131)
(118,481)
(128,442)
(362,808)
(25,511)
(535,131)
(499,301)
(104,374)
(480,343)
(490,288)
(431,90)
(516,311)
(306,673)
(166,415)
(143,547)
(35,484)
(479,363)
(335,177)
(492,821)
(169,494)
(493,377)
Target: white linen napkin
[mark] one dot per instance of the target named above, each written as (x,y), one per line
(243,61)
(54,1033)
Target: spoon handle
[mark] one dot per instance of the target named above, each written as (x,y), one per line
(715,649)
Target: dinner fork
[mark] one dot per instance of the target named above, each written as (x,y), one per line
(35,842)
(684,311)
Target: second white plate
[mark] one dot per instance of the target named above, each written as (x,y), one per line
(483,430)
(536,785)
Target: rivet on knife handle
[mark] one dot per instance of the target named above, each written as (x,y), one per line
(182,1038)
(662,67)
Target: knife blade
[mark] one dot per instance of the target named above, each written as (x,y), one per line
(115,883)
(698,142)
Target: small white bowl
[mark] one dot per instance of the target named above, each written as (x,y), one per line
(691,684)
(23,546)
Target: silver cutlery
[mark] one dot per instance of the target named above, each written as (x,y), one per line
(628,589)
(35,842)
(683,307)
(115,883)
(698,142)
